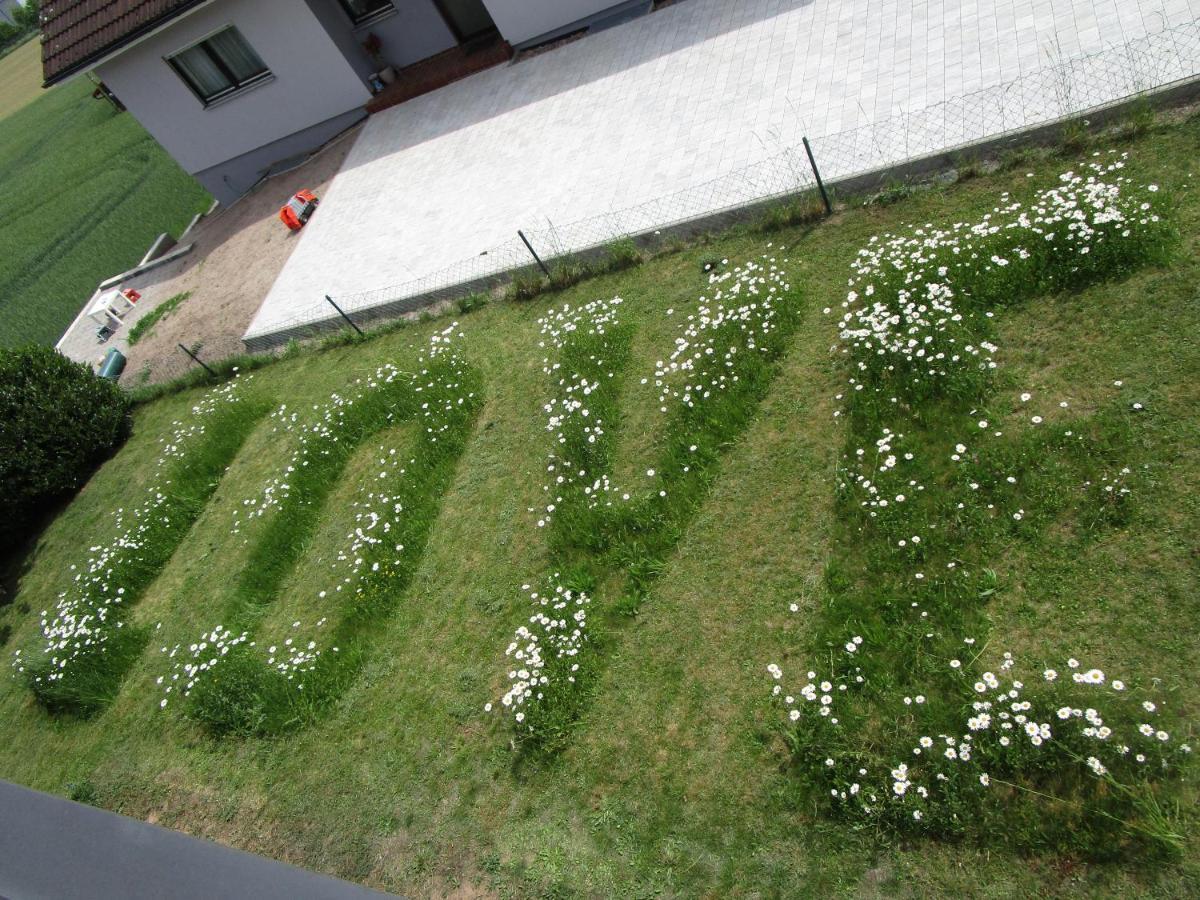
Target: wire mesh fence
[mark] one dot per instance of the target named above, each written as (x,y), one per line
(1067,89)
(201,360)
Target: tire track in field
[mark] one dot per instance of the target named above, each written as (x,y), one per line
(70,239)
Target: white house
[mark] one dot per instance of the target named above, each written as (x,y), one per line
(231,87)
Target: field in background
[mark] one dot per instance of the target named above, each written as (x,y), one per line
(675,783)
(21,75)
(83,192)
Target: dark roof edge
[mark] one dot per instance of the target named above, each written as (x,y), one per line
(137,34)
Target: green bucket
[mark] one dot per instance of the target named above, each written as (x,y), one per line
(113,365)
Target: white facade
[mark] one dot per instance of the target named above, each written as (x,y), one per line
(313,82)
(522,20)
(319,73)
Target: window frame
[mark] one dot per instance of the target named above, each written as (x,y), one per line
(388,9)
(235,87)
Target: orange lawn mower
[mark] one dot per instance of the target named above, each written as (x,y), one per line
(297,211)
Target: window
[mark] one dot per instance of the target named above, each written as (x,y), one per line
(363,11)
(219,65)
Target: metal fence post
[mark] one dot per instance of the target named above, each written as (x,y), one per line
(816,172)
(343,315)
(529,246)
(197,359)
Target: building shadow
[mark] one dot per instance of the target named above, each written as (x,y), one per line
(526,81)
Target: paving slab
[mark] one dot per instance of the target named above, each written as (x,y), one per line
(654,107)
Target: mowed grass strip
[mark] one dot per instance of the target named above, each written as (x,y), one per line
(673,782)
(84,190)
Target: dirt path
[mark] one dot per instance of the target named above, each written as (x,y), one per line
(238,253)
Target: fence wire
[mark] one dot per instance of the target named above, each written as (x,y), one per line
(1067,89)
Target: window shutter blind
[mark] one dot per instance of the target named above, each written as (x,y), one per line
(200,69)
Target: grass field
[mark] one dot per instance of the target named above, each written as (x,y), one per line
(675,779)
(83,193)
(21,75)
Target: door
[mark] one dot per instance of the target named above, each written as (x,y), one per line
(467,18)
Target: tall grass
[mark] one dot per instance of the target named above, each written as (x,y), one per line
(143,326)
(609,544)
(941,476)
(676,781)
(249,692)
(87,643)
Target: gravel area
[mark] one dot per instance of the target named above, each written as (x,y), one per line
(237,254)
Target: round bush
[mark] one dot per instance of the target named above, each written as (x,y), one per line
(58,420)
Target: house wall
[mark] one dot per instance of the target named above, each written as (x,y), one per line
(232,178)
(413,32)
(520,21)
(313,83)
(337,25)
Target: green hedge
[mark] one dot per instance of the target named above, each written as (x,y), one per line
(58,420)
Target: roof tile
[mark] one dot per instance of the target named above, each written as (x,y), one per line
(77,33)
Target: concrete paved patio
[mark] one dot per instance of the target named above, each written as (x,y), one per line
(652,107)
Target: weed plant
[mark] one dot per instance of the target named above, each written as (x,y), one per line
(805,210)
(570,269)
(525,286)
(146,323)
(228,368)
(568,272)
(622,254)
(968,167)
(891,193)
(1074,137)
(471,302)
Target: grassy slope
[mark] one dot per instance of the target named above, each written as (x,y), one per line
(83,192)
(21,75)
(673,783)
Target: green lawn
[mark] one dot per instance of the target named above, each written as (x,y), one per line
(676,780)
(83,193)
(21,75)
